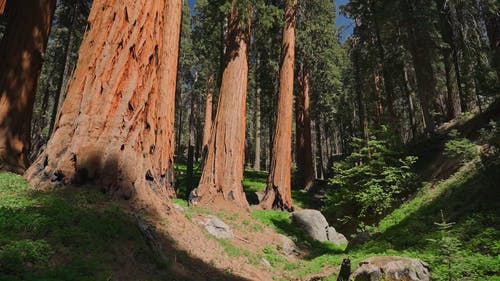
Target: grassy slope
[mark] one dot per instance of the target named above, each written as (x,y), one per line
(79,234)
(70,235)
(82,235)
(469,199)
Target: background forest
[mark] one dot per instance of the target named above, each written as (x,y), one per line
(395,133)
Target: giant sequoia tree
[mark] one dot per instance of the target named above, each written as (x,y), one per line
(116,125)
(278,192)
(223,165)
(21,51)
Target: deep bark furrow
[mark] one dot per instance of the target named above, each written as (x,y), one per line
(116,125)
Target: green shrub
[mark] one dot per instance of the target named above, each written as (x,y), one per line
(460,148)
(369,182)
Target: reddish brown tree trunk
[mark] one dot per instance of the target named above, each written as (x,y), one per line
(116,125)
(223,167)
(21,51)
(207,127)
(278,192)
(2,6)
(305,165)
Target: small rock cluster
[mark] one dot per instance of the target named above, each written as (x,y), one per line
(315,225)
(217,227)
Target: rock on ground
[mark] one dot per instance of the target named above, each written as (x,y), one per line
(217,227)
(316,226)
(392,268)
(287,246)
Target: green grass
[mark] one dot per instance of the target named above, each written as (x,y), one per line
(281,222)
(75,234)
(468,199)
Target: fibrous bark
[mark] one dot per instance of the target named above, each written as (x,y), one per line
(115,129)
(278,191)
(208,111)
(223,166)
(21,50)
(305,165)
(3,3)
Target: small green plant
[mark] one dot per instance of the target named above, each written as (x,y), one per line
(447,247)
(460,148)
(369,182)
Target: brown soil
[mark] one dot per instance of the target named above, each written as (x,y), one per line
(191,238)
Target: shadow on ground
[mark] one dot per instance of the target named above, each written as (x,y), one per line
(80,234)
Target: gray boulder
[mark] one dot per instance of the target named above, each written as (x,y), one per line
(315,225)
(217,227)
(312,222)
(287,246)
(335,237)
(392,268)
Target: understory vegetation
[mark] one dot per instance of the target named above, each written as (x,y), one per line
(80,234)
(369,182)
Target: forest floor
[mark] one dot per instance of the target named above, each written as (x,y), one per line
(452,222)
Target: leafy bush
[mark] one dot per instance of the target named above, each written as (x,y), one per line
(369,182)
(460,148)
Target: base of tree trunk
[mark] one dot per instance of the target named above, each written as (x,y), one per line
(273,200)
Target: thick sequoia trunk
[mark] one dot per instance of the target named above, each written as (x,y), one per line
(304,155)
(222,174)
(21,51)
(207,127)
(278,192)
(3,3)
(115,129)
